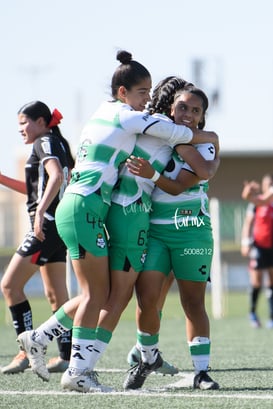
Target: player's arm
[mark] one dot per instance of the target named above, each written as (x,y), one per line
(55,180)
(188,175)
(201,136)
(140,122)
(263,199)
(14,184)
(203,168)
(247,239)
(250,193)
(141,167)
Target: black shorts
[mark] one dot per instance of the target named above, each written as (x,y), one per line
(51,250)
(260,258)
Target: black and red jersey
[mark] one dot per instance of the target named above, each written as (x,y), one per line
(263,226)
(45,147)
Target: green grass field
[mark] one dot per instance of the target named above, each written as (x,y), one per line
(241,361)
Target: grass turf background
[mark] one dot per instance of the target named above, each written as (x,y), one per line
(241,361)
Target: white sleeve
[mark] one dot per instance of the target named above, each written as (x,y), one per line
(207,150)
(142,122)
(170,132)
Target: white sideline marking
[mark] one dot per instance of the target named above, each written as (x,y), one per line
(143,393)
(167,391)
(186,381)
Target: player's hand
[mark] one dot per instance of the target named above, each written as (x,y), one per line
(140,167)
(38,227)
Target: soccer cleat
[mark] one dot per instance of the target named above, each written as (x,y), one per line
(134,358)
(139,373)
(254,320)
(57,364)
(167,369)
(203,381)
(84,381)
(19,363)
(95,385)
(35,353)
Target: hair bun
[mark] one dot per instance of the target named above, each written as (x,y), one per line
(124,57)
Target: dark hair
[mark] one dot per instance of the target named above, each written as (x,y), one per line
(191,89)
(35,110)
(128,73)
(38,109)
(163,94)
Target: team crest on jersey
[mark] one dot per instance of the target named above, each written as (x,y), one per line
(100,241)
(82,153)
(143,256)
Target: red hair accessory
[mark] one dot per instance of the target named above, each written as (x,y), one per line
(55,118)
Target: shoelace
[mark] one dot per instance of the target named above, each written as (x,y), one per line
(132,368)
(93,375)
(140,369)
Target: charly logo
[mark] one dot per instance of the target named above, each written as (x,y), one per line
(143,256)
(100,241)
(185,219)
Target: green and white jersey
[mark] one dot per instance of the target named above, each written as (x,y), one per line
(108,139)
(130,188)
(186,208)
